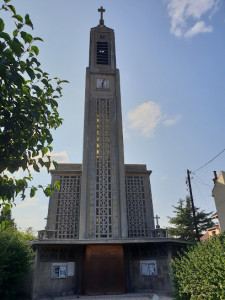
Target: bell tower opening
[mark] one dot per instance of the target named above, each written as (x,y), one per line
(102,53)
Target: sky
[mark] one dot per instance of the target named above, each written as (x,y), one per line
(171,57)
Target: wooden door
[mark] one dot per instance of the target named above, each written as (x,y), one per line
(104,271)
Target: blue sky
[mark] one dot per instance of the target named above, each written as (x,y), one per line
(171,56)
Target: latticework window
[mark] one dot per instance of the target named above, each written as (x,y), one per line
(136,207)
(67,217)
(103,170)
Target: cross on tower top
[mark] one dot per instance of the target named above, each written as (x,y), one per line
(157,221)
(101,10)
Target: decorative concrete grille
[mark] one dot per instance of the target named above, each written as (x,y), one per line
(103,171)
(67,217)
(136,208)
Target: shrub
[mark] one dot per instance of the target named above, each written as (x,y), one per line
(199,273)
(15,261)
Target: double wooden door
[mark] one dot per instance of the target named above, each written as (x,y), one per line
(104,271)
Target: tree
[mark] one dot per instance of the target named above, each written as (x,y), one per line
(184,223)
(16,256)
(28,108)
(199,272)
(6,219)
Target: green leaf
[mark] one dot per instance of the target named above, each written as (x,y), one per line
(2,25)
(35,49)
(57,185)
(12,8)
(49,140)
(34,60)
(32,192)
(38,39)
(31,73)
(41,162)
(19,26)
(37,90)
(44,151)
(16,47)
(26,37)
(6,1)
(36,168)
(3,225)
(55,164)
(18,18)
(64,81)
(2,46)
(5,36)
(38,69)
(15,32)
(48,191)
(45,81)
(28,21)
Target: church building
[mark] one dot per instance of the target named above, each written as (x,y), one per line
(100,236)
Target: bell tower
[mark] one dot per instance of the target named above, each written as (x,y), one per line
(103,211)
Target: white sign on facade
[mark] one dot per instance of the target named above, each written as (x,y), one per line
(148,267)
(62,270)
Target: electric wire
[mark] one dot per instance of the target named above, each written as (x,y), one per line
(210,161)
(201,195)
(201,181)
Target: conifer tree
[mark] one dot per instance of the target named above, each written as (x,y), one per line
(184,223)
(6,218)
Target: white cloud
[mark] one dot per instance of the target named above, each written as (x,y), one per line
(172,121)
(145,118)
(155,201)
(126,134)
(199,27)
(28,202)
(60,157)
(15,175)
(44,207)
(187,16)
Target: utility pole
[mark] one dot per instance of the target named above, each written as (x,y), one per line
(193,207)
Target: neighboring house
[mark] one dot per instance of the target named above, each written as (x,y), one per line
(211,232)
(218,193)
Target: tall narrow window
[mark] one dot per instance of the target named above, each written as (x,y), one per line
(67,217)
(102,53)
(103,171)
(136,207)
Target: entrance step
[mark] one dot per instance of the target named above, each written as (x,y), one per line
(137,296)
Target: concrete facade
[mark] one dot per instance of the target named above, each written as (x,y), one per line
(50,252)
(218,193)
(102,202)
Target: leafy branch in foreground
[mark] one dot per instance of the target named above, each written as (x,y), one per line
(28,110)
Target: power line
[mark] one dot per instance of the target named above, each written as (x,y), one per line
(210,160)
(201,195)
(201,181)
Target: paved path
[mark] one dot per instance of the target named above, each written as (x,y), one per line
(143,296)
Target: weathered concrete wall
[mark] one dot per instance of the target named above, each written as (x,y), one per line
(136,282)
(46,286)
(160,282)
